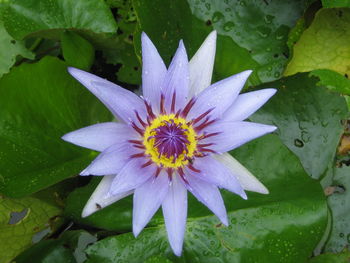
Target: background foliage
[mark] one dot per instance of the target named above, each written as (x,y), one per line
(300,47)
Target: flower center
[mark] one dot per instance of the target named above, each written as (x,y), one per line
(170,141)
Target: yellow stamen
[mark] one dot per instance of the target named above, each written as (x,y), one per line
(162,160)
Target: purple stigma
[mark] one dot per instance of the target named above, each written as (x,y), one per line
(170,139)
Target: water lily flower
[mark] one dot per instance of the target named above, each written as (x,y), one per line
(172,140)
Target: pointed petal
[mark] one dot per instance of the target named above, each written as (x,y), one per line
(100,197)
(175,213)
(121,102)
(147,199)
(201,65)
(219,96)
(248,103)
(110,161)
(248,181)
(132,176)
(209,195)
(235,134)
(153,71)
(177,79)
(100,136)
(216,173)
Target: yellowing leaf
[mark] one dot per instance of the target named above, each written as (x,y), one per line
(20,220)
(324,45)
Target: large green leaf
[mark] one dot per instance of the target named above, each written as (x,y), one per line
(336,3)
(20,220)
(283,226)
(339,203)
(332,80)
(39,103)
(308,118)
(77,51)
(252,34)
(324,45)
(48,17)
(10,49)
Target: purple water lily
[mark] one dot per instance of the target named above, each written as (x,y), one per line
(172,139)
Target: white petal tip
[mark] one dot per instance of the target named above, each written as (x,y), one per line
(84,172)
(244,195)
(66,137)
(72,70)
(273,128)
(177,251)
(136,231)
(264,191)
(224,221)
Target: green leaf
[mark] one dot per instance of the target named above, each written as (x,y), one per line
(122,51)
(253,30)
(339,203)
(20,220)
(256,27)
(40,103)
(283,226)
(77,51)
(10,49)
(69,248)
(324,45)
(343,257)
(332,80)
(308,118)
(336,3)
(50,17)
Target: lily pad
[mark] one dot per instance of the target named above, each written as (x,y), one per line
(283,226)
(339,203)
(20,220)
(40,103)
(324,45)
(49,18)
(308,118)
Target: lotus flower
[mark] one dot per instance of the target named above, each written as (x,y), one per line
(172,140)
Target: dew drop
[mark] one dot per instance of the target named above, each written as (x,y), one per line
(263,31)
(207,5)
(268,19)
(228,26)
(217,16)
(298,143)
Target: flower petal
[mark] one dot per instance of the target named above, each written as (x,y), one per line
(100,197)
(177,80)
(175,213)
(235,134)
(100,136)
(219,96)
(209,195)
(147,199)
(110,161)
(248,103)
(131,176)
(216,173)
(201,65)
(153,71)
(121,102)
(248,181)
